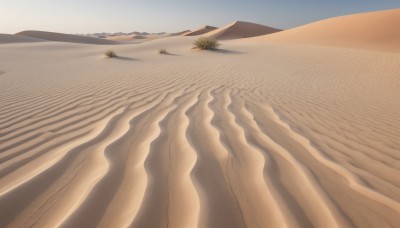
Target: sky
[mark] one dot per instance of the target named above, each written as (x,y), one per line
(90,16)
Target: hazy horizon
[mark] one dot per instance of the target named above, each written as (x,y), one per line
(176,15)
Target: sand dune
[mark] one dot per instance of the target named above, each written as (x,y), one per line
(271,135)
(9,38)
(200,31)
(240,29)
(374,30)
(60,37)
(182,32)
(126,37)
(139,38)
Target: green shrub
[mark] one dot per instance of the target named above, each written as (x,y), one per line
(206,43)
(110,54)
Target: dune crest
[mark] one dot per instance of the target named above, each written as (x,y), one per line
(181,32)
(373,30)
(200,31)
(240,29)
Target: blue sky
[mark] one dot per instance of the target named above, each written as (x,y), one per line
(88,16)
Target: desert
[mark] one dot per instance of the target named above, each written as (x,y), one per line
(273,128)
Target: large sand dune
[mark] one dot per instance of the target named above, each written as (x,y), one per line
(374,30)
(254,135)
(181,32)
(200,31)
(240,29)
(61,37)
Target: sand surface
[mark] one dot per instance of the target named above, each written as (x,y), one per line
(253,135)
(374,30)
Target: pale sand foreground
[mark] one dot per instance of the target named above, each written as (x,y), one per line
(256,135)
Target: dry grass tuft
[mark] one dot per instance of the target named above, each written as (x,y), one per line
(111,54)
(206,43)
(162,51)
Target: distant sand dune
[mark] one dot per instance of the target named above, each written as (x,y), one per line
(182,32)
(263,134)
(139,38)
(374,30)
(126,37)
(60,37)
(8,38)
(240,29)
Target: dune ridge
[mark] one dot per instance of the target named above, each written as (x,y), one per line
(181,32)
(372,30)
(240,29)
(200,31)
(271,135)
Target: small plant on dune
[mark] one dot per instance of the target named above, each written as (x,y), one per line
(206,43)
(110,54)
(162,51)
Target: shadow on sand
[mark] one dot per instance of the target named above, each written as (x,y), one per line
(220,51)
(125,58)
(169,54)
(224,51)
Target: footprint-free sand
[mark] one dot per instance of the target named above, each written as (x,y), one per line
(256,134)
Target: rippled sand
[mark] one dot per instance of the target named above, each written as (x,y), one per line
(254,135)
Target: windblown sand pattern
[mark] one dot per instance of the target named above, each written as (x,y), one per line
(251,136)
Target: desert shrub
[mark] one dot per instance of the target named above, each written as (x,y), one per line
(162,51)
(206,43)
(110,54)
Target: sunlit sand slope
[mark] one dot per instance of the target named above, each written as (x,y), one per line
(374,30)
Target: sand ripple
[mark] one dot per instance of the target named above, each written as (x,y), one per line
(303,141)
